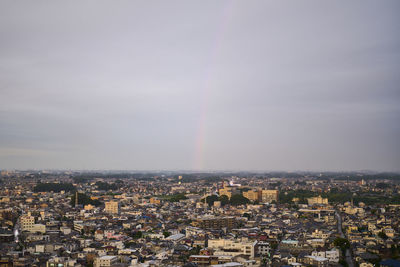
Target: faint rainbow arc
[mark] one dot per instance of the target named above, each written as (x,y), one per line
(227,14)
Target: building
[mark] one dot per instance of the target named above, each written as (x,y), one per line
(253,195)
(332,255)
(228,191)
(60,262)
(78,226)
(105,261)
(112,207)
(89,207)
(232,247)
(212,222)
(268,196)
(203,260)
(38,228)
(27,222)
(316,261)
(155,201)
(207,260)
(317,201)
(263,248)
(390,263)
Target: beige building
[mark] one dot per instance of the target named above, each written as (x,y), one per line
(268,196)
(105,261)
(228,191)
(253,195)
(27,222)
(89,207)
(155,201)
(112,207)
(232,247)
(38,228)
(217,204)
(317,200)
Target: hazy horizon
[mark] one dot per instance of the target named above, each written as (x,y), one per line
(175,85)
(186,171)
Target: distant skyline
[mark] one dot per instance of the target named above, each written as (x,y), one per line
(207,85)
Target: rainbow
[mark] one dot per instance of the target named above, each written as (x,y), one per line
(226,17)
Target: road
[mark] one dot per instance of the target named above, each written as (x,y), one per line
(349,259)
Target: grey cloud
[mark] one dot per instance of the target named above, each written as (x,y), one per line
(212,85)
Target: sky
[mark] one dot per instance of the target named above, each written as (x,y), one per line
(200,85)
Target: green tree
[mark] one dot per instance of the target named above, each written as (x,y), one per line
(224,200)
(238,200)
(55,187)
(84,199)
(382,235)
(342,243)
(166,234)
(211,199)
(136,235)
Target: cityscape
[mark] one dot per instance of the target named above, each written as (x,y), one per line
(64,218)
(212,133)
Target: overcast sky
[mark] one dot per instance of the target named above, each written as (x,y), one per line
(200,85)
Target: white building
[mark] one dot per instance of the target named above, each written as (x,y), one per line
(105,261)
(331,255)
(232,247)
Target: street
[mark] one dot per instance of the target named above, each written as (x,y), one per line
(348,257)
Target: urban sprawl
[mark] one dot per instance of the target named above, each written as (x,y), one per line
(67,218)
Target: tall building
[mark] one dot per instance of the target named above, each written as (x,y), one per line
(27,222)
(112,207)
(268,196)
(252,195)
(261,195)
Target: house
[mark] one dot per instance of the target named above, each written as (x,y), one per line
(390,263)
(105,261)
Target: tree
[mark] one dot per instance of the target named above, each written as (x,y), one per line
(224,200)
(343,243)
(382,185)
(176,197)
(80,180)
(382,235)
(211,199)
(84,199)
(55,187)
(106,186)
(166,234)
(136,235)
(239,200)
